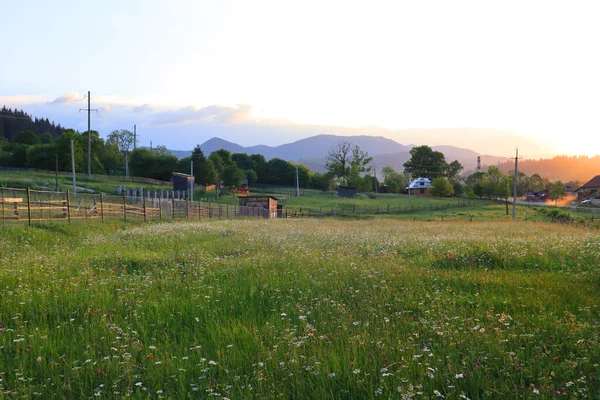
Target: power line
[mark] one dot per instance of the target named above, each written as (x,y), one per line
(88,109)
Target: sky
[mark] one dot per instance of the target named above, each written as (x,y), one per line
(271,72)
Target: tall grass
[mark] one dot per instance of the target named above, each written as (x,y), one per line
(300,309)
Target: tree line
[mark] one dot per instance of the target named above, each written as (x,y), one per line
(12,122)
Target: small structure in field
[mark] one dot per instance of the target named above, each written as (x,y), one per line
(419,187)
(346,191)
(251,206)
(589,193)
(181,181)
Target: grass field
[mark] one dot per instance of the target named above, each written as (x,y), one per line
(309,308)
(99,183)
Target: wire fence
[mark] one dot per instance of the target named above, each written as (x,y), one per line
(389,209)
(29,206)
(20,206)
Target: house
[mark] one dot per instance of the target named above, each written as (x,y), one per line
(345,191)
(419,187)
(258,206)
(181,181)
(571,188)
(590,191)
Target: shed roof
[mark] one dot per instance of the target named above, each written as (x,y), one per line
(257,197)
(182,174)
(593,183)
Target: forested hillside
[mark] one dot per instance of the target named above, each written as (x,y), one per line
(576,168)
(14,121)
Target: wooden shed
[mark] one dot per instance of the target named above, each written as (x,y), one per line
(181,181)
(251,205)
(346,191)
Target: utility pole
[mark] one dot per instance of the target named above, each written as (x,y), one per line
(57,172)
(134,138)
(297,183)
(514,216)
(88,109)
(192,180)
(376,184)
(73,167)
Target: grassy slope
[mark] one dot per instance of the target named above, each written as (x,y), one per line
(300,309)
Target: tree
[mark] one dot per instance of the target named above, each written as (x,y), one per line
(243,161)
(536,182)
(322,181)
(441,187)
(347,163)
(453,171)
(338,161)
(358,165)
(123,138)
(425,162)
(46,138)
(232,176)
(26,137)
(161,149)
(394,181)
(557,191)
(251,176)
(459,188)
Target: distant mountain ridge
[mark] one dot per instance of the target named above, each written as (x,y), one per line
(313,151)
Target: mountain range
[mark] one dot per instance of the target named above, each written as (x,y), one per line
(313,151)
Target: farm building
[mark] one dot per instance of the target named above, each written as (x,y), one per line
(590,191)
(345,191)
(419,187)
(181,181)
(252,206)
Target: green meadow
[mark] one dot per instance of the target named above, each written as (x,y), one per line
(303,308)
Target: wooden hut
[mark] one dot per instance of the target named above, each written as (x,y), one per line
(252,206)
(345,191)
(181,181)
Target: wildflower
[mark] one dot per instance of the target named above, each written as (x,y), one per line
(138,384)
(569,384)
(437,393)
(356,371)
(536,391)
(152,347)
(355,323)
(302,318)
(211,362)
(459,376)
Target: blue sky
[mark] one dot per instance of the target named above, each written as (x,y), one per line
(270,71)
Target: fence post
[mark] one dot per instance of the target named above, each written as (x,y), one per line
(69,205)
(2,197)
(102,207)
(173,205)
(144,206)
(29,205)
(160,202)
(124,207)
(187,208)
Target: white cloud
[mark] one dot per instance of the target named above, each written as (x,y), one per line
(67,98)
(213,113)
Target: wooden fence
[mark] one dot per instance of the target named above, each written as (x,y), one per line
(26,205)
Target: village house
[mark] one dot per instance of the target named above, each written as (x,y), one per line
(590,192)
(419,187)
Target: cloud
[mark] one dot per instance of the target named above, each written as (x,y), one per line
(67,98)
(106,108)
(212,114)
(142,108)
